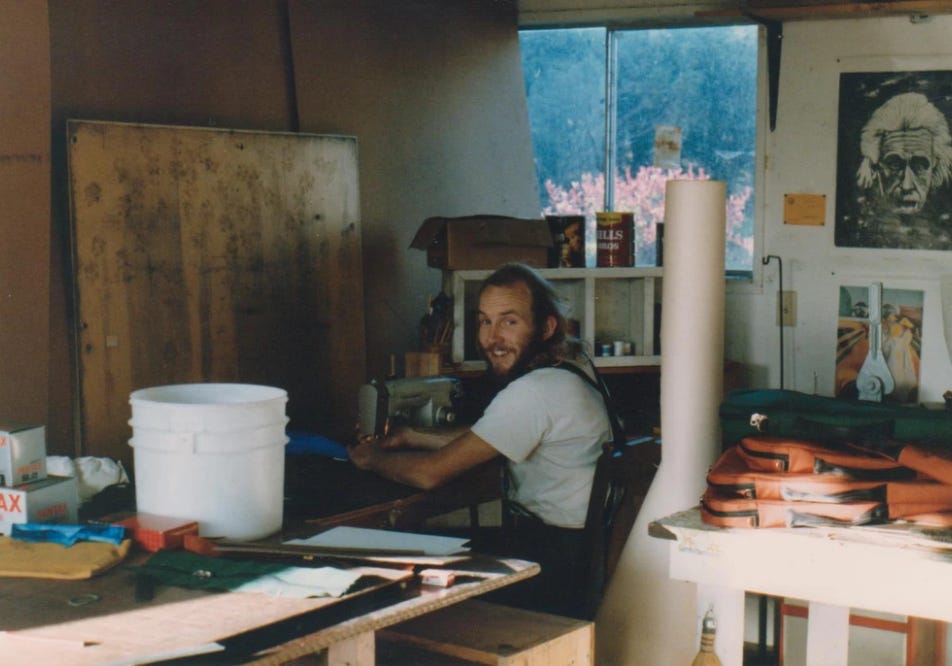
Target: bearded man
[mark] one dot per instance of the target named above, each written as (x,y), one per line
(549,424)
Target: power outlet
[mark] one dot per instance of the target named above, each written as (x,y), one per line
(787,309)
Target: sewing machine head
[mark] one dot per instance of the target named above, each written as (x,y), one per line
(413,402)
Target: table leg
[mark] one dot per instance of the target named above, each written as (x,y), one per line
(828,629)
(356,651)
(728,606)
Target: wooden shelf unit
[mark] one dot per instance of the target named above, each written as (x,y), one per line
(609,304)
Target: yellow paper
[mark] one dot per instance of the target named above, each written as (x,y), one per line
(28,559)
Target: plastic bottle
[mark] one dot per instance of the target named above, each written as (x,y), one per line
(706,656)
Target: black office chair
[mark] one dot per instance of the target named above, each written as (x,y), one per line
(622,478)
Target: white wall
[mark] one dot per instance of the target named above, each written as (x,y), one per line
(801,157)
(434,93)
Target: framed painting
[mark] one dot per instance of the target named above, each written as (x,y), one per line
(900,321)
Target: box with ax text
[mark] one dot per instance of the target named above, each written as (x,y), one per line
(54,499)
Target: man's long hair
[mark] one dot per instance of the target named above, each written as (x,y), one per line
(546,302)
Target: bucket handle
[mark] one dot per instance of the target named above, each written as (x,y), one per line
(173,442)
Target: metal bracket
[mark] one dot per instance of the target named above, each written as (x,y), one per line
(774,42)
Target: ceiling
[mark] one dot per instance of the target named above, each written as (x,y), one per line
(671,12)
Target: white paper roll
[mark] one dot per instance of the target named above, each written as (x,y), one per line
(692,335)
(647,618)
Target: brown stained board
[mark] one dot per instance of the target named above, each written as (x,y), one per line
(208,255)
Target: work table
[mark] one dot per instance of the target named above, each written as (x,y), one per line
(106,624)
(100,621)
(900,569)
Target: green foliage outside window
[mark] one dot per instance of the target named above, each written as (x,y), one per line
(701,81)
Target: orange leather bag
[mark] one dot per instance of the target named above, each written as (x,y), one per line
(769,453)
(928,459)
(732,511)
(898,493)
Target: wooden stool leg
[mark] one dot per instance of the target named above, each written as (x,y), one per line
(828,629)
(925,642)
(357,651)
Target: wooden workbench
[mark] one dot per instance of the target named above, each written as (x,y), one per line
(38,620)
(45,621)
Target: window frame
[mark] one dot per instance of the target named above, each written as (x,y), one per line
(738,281)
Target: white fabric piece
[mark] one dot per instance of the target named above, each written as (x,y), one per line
(302,582)
(92,474)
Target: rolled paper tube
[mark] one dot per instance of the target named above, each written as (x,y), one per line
(661,628)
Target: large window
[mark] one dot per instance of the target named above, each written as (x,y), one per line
(645,106)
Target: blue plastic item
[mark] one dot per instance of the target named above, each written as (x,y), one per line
(67,535)
(300,442)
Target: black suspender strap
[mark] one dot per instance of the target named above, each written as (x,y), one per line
(618,431)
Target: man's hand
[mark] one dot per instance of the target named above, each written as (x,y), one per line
(398,458)
(400,438)
(364,451)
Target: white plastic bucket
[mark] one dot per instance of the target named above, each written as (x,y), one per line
(213,453)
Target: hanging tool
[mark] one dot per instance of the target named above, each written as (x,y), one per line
(765,261)
(874,380)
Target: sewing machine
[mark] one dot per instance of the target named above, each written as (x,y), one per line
(413,401)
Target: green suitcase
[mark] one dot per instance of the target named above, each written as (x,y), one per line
(788,413)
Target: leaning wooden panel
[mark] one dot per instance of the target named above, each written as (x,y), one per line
(214,255)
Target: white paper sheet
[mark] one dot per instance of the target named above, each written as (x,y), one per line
(384,540)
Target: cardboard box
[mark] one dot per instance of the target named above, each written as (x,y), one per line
(54,499)
(22,454)
(483,241)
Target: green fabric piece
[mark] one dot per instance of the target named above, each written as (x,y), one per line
(186,569)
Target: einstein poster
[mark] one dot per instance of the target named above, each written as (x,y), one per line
(894,160)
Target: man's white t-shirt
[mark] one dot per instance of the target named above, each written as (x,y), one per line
(550,424)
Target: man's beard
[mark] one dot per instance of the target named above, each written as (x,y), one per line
(524,363)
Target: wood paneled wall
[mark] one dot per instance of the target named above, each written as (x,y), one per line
(25,213)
